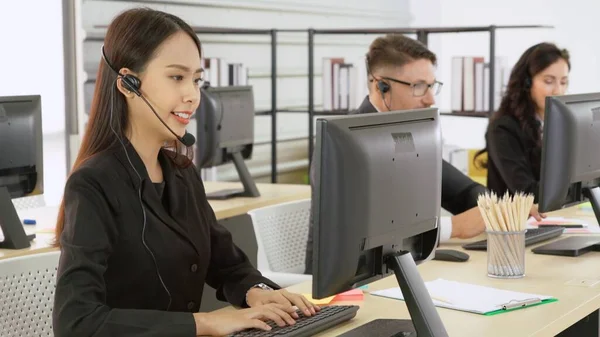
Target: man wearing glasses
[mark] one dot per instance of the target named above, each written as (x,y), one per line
(401,73)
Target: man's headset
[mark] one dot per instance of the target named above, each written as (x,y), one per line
(383,86)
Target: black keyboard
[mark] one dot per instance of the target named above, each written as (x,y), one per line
(326,318)
(532,236)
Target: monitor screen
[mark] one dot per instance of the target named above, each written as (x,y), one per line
(377,190)
(223,124)
(570,157)
(21,153)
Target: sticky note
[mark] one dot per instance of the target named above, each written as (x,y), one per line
(351,295)
(322,301)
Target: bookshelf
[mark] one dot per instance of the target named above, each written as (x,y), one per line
(422,34)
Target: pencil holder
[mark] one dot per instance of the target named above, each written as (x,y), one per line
(506,254)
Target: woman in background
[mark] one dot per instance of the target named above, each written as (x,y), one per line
(514,134)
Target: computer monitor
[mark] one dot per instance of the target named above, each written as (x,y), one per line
(570,166)
(376,205)
(21,162)
(225,131)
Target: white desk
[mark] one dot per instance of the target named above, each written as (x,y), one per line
(545,274)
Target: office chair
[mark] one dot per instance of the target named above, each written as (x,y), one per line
(30,202)
(281,233)
(27,286)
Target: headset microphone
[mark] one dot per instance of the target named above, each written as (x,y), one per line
(187,139)
(133,83)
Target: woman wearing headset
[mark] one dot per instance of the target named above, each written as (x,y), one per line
(138,238)
(514,134)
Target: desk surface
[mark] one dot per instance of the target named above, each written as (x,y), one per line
(545,274)
(271,194)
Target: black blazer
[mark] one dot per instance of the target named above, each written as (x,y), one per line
(107,280)
(459,192)
(514,159)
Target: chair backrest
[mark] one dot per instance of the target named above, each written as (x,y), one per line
(476,166)
(281,234)
(27,286)
(36,201)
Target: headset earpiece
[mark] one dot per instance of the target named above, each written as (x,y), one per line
(528,82)
(383,87)
(131,83)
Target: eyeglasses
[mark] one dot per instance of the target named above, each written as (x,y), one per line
(419,89)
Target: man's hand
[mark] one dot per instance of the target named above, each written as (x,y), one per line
(470,223)
(536,214)
(467,224)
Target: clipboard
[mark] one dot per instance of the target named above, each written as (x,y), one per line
(473,298)
(522,304)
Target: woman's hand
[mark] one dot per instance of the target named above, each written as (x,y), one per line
(220,323)
(257,297)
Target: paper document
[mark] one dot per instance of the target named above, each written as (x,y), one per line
(472,298)
(586,228)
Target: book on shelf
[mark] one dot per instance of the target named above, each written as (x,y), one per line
(221,73)
(469,84)
(344,84)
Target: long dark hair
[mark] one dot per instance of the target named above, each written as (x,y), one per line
(130,42)
(517,100)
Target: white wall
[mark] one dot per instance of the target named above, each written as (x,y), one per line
(31,63)
(577,30)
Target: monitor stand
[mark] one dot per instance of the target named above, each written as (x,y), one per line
(14,233)
(593,195)
(250,189)
(425,322)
